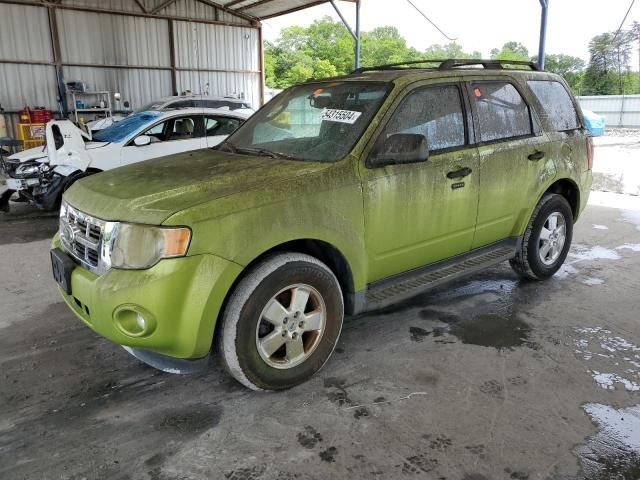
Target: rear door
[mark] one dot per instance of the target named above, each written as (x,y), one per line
(514,157)
(560,119)
(219,127)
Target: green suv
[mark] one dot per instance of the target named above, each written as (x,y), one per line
(338,196)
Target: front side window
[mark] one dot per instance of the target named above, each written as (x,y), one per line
(181,104)
(502,112)
(181,128)
(435,112)
(557,104)
(319,121)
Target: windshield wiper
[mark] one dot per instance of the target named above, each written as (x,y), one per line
(226,146)
(265,152)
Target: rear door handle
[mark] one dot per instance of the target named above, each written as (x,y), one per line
(460,173)
(538,155)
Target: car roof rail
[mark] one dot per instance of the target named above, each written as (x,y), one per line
(451,63)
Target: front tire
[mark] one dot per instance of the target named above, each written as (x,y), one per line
(546,241)
(282,322)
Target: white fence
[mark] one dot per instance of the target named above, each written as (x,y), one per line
(619,110)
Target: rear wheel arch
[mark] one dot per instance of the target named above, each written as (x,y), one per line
(570,191)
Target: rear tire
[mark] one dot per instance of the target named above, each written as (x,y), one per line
(547,239)
(282,322)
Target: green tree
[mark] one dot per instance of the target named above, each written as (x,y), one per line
(608,57)
(450,50)
(511,51)
(569,67)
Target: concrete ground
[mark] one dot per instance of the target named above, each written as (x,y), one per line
(488,378)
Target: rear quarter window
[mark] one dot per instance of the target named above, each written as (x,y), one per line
(556,103)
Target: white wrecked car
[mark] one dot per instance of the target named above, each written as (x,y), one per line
(40,175)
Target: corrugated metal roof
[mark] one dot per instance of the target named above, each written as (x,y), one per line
(263,9)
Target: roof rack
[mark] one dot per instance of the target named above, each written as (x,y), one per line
(450,63)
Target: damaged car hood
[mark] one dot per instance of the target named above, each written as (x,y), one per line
(73,149)
(151,191)
(35,153)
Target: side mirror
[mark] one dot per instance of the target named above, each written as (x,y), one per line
(142,140)
(401,148)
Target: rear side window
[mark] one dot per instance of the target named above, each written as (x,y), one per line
(436,113)
(181,104)
(502,112)
(557,104)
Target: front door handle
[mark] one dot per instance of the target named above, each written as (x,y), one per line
(460,173)
(538,155)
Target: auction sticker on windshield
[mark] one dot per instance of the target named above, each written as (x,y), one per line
(342,116)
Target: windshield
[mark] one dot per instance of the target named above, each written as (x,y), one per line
(320,121)
(121,129)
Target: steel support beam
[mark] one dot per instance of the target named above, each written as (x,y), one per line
(172,58)
(263,78)
(57,61)
(356,34)
(544,4)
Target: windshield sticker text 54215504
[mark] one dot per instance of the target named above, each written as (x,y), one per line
(342,116)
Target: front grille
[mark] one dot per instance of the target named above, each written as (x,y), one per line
(81,235)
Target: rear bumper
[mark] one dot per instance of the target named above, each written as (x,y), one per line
(178,300)
(585,190)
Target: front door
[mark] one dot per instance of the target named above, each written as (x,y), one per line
(174,135)
(422,212)
(514,159)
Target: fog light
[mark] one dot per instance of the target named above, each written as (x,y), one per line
(134,321)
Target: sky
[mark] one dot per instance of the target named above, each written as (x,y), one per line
(481,24)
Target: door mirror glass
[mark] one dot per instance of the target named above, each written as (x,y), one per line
(401,148)
(142,140)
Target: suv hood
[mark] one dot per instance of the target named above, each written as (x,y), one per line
(151,191)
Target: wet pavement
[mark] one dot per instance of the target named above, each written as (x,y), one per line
(487,378)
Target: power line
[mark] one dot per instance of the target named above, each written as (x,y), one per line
(623,20)
(431,22)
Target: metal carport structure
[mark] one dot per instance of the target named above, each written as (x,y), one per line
(46,42)
(142,48)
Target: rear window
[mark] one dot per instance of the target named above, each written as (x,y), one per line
(557,104)
(502,112)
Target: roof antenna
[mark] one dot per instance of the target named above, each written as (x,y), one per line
(429,20)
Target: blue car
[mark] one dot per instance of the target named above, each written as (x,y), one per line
(595,123)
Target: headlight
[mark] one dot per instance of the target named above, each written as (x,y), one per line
(28,169)
(134,246)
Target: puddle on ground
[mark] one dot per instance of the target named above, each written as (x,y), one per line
(582,252)
(593,281)
(23,231)
(492,330)
(630,246)
(632,216)
(614,452)
(615,361)
(565,271)
(600,227)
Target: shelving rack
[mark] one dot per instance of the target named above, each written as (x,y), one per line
(99,96)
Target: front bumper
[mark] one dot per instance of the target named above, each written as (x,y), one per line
(18,184)
(179,300)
